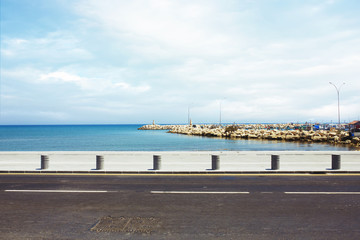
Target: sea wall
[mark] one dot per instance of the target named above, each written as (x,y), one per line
(157,127)
(285,132)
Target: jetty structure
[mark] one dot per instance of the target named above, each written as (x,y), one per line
(284,132)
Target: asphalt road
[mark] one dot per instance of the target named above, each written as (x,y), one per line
(179,207)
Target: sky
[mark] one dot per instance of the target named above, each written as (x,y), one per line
(124,62)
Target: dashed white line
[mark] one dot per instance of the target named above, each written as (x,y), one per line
(195,192)
(219,192)
(320,193)
(175,192)
(58,191)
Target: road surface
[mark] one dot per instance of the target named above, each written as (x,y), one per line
(45,206)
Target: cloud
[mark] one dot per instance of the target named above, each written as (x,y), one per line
(25,116)
(91,84)
(164,29)
(138,59)
(54,48)
(59,116)
(66,77)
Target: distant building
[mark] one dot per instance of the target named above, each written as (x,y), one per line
(354,127)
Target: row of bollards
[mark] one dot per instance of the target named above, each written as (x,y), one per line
(335,162)
(45,162)
(215,162)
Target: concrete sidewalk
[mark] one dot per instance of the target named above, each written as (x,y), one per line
(180,162)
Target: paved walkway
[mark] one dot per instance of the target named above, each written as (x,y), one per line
(180,162)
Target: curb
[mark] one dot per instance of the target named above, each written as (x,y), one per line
(334,172)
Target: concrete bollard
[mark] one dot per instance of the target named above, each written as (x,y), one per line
(215,162)
(156,162)
(99,162)
(275,163)
(44,162)
(335,162)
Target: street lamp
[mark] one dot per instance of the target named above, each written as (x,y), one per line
(189,114)
(189,119)
(220,114)
(338,96)
(220,109)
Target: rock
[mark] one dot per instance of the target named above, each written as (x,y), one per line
(260,131)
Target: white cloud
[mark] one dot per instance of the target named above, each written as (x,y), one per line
(165,29)
(272,62)
(58,116)
(91,84)
(127,86)
(55,47)
(66,77)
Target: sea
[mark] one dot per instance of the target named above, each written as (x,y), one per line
(129,138)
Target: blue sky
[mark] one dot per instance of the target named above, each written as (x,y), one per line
(115,61)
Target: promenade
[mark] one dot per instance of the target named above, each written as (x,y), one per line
(180,162)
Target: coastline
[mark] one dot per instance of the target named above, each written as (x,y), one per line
(283,132)
(129,138)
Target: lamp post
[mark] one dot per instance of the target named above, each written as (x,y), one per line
(220,115)
(189,114)
(189,119)
(220,110)
(338,96)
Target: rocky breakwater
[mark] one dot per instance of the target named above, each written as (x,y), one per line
(157,127)
(283,132)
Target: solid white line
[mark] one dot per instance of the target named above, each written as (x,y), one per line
(322,193)
(57,191)
(195,192)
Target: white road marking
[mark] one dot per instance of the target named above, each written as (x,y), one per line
(212,192)
(349,193)
(57,191)
(196,192)
(177,192)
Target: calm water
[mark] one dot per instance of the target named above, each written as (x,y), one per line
(128,138)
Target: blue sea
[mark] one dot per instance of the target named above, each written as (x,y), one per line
(128,138)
